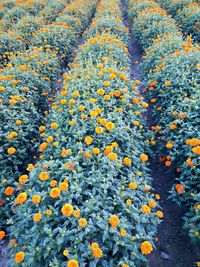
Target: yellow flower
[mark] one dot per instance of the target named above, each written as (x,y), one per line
(55,192)
(54,125)
(123,232)
(143,157)
(106,83)
(88,140)
(65,252)
(76,213)
(146,247)
(97,253)
(11,150)
(36,199)
(132,185)
(112,156)
(21,198)
(67,209)
(100,92)
(19,256)
(63,186)
(110,126)
(114,221)
(99,130)
(53,183)
(145,209)
(43,176)
(23,179)
(127,161)
(168,83)
(94,246)
(160,214)
(96,150)
(82,222)
(72,263)
(37,217)
(152,204)
(128,202)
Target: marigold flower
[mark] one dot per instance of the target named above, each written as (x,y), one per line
(193,142)
(88,140)
(127,161)
(159,214)
(19,256)
(196,150)
(42,128)
(43,176)
(9,191)
(114,221)
(54,125)
(94,246)
(21,198)
(76,213)
(180,189)
(36,199)
(11,150)
(143,157)
(110,126)
(97,253)
(72,263)
(23,179)
(146,248)
(112,156)
(145,209)
(2,234)
(63,186)
(55,192)
(65,252)
(132,185)
(168,83)
(152,204)
(37,217)
(67,209)
(99,130)
(123,232)
(96,150)
(82,222)
(129,202)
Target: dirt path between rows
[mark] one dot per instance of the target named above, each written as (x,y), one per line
(173,248)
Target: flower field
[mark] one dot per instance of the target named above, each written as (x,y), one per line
(77,187)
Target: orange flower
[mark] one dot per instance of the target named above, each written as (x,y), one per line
(193,142)
(145,209)
(127,161)
(72,263)
(159,213)
(146,247)
(43,176)
(123,232)
(132,185)
(63,186)
(114,221)
(88,140)
(97,253)
(99,130)
(19,256)
(11,150)
(169,145)
(37,217)
(168,83)
(76,213)
(21,198)
(96,150)
(143,157)
(110,126)
(67,209)
(23,179)
(152,204)
(9,191)
(2,234)
(180,189)
(54,125)
(36,199)
(168,163)
(82,222)
(55,192)
(112,156)
(196,150)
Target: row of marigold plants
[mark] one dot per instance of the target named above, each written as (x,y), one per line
(27,86)
(88,200)
(171,65)
(187,15)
